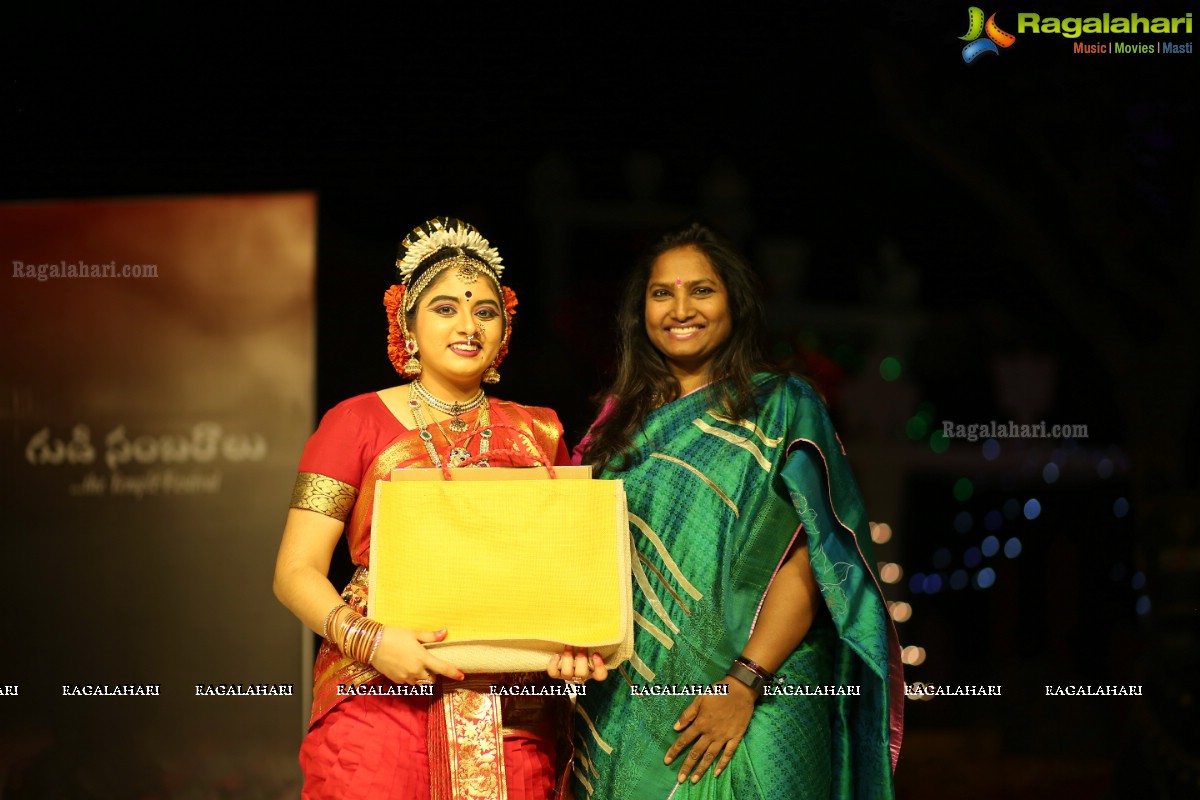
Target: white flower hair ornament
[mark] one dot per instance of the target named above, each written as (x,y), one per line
(440,233)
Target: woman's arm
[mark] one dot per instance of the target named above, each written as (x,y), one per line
(715,724)
(301,585)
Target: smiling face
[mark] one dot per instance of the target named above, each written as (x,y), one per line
(458,327)
(687,313)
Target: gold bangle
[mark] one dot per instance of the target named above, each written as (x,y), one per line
(374,647)
(351,638)
(328,617)
(341,626)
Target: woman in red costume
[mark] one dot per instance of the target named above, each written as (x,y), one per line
(370,735)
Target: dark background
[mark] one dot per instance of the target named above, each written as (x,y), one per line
(1019,232)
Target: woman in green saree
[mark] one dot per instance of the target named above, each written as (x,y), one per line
(753,585)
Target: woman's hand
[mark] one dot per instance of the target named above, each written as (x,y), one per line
(402,657)
(574,665)
(713,725)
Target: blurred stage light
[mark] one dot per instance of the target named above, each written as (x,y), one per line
(1012,548)
(901,611)
(985,578)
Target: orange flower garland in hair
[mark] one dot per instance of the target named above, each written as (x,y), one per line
(510,306)
(393,299)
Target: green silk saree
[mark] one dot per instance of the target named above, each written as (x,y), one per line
(715,505)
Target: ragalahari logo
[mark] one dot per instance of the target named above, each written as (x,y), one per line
(976,27)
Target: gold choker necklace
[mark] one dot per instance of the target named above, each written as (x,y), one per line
(458,453)
(455,409)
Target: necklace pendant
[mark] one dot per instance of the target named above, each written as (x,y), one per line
(458,455)
(458,425)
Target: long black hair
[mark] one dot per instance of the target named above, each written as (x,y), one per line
(644,381)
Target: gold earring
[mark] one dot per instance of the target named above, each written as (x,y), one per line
(491,375)
(413,365)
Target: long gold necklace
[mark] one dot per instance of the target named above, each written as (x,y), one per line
(458,454)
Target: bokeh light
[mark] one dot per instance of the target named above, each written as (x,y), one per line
(1120,507)
(991,449)
(963,521)
(1012,548)
(985,578)
(900,610)
(916,428)
(972,557)
(889,368)
(963,489)
(990,546)
(890,573)
(1032,508)
(1050,472)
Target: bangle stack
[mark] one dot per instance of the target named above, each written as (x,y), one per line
(356,636)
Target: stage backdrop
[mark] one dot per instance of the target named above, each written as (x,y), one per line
(156,388)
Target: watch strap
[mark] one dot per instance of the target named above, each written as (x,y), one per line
(740,672)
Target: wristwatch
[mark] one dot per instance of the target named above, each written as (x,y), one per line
(740,672)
